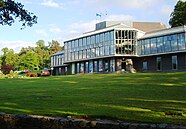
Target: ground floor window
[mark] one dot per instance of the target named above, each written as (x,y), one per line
(100,65)
(119,64)
(86,67)
(91,67)
(106,66)
(82,68)
(145,66)
(174,63)
(78,68)
(158,64)
(112,65)
(95,66)
(73,68)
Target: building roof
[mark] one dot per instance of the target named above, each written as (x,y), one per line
(119,26)
(149,26)
(167,31)
(58,53)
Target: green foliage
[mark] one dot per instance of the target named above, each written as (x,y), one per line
(178,16)
(140,97)
(9,58)
(28,61)
(10,10)
(30,57)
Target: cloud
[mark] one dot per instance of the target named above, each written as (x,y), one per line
(15,45)
(166,10)
(42,32)
(52,3)
(119,17)
(129,4)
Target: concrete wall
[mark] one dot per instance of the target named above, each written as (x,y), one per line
(8,121)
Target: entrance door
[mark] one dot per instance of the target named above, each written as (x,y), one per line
(123,64)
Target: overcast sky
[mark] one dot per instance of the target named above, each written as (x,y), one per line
(63,19)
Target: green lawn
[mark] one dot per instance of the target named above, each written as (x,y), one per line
(144,97)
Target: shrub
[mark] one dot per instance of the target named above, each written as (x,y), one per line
(33,75)
(28,74)
(6,68)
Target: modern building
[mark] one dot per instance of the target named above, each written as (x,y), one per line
(116,46)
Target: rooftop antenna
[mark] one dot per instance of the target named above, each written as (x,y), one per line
(101,16)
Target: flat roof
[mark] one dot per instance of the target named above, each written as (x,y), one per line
(164,32)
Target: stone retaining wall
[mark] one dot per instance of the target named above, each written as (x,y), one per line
(8,121)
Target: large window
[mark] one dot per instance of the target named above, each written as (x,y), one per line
(181,41)
(145,66)
(168,43)
(153,46)
(174,63)
(158,63)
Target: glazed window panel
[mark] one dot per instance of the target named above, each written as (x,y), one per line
(147,47)
(153,46)
(97,51)
(174,43)
(80,42)
(107,50)
(88,40)
(107,36)
(84,54)
(181,41)
(88,53)
(93,52)
(160,47)
(112,49)
(112,35)
(76,56)
(167,43)
(73,44)
(84,41)
(102,37)
(80,54)
(97,39)
(93,39)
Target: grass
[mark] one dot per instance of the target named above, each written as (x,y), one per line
(140,97)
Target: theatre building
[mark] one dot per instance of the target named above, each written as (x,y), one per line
(119,46)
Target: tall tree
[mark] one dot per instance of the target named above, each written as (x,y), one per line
(9,58)
(178,16)
(54,47)
(28,61)
(10,10)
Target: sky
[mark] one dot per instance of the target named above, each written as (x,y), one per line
(63,19)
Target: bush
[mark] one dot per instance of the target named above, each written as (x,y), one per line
(6,68)
(33,75)
(28,74)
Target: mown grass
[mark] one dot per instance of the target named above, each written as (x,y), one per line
(140,97)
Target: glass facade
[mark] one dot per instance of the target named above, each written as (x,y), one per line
(125,41)
(57,60)
(98,45)
(162,44)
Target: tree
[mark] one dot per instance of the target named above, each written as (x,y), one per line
(178,16)
(10,10)
(54,47)
(9,58)
(28,61)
